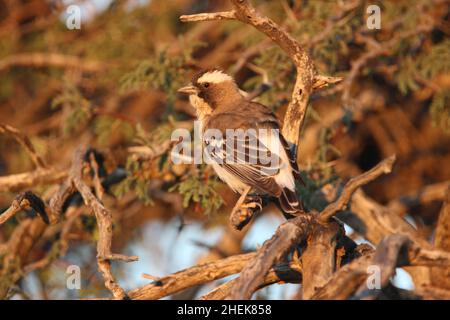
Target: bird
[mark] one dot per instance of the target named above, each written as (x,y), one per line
(222,107)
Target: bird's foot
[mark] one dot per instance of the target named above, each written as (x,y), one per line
(243,213)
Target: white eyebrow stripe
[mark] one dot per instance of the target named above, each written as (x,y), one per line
(215,76)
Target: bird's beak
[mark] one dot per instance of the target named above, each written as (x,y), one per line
(189,89)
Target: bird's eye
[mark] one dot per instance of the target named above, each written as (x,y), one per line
(206,85)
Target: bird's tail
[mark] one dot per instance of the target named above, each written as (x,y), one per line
(290,203)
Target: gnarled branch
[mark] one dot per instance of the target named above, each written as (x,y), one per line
(104,222)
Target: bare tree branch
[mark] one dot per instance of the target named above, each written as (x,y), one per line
(382,168)
(319,258)
(424,195)
(440,276)
(195,275)
(226,15)
(20,181)
(281,273)
(388,256)
(24,201)
(25,143)
(287,234)
(38,59)
(104,222)
(306,74)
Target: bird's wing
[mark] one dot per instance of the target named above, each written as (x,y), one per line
(270,177)
(292,159)
(252,156)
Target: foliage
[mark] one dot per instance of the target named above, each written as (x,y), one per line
(78,108)
(440,109)
(137,180)
(163,72)
(200,189)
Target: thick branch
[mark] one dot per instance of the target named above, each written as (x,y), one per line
(282,273)
(319,258)
(193,276)
(287,234)
(388,256)
(424,195)
(346,280)
(24,180)
(374,221)
(440,276)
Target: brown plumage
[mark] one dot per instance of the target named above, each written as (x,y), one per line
(221,106)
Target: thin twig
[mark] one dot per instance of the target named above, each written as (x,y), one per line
(38,59)
(25,143)
(383,167)
(16,206)
(226,15)
(23,201)
(97,183)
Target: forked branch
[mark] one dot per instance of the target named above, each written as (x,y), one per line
(307,77)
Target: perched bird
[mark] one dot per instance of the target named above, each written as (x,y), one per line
(220,105)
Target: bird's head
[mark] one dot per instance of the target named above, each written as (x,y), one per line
(213,88)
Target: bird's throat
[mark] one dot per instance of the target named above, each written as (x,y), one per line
(202,108)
